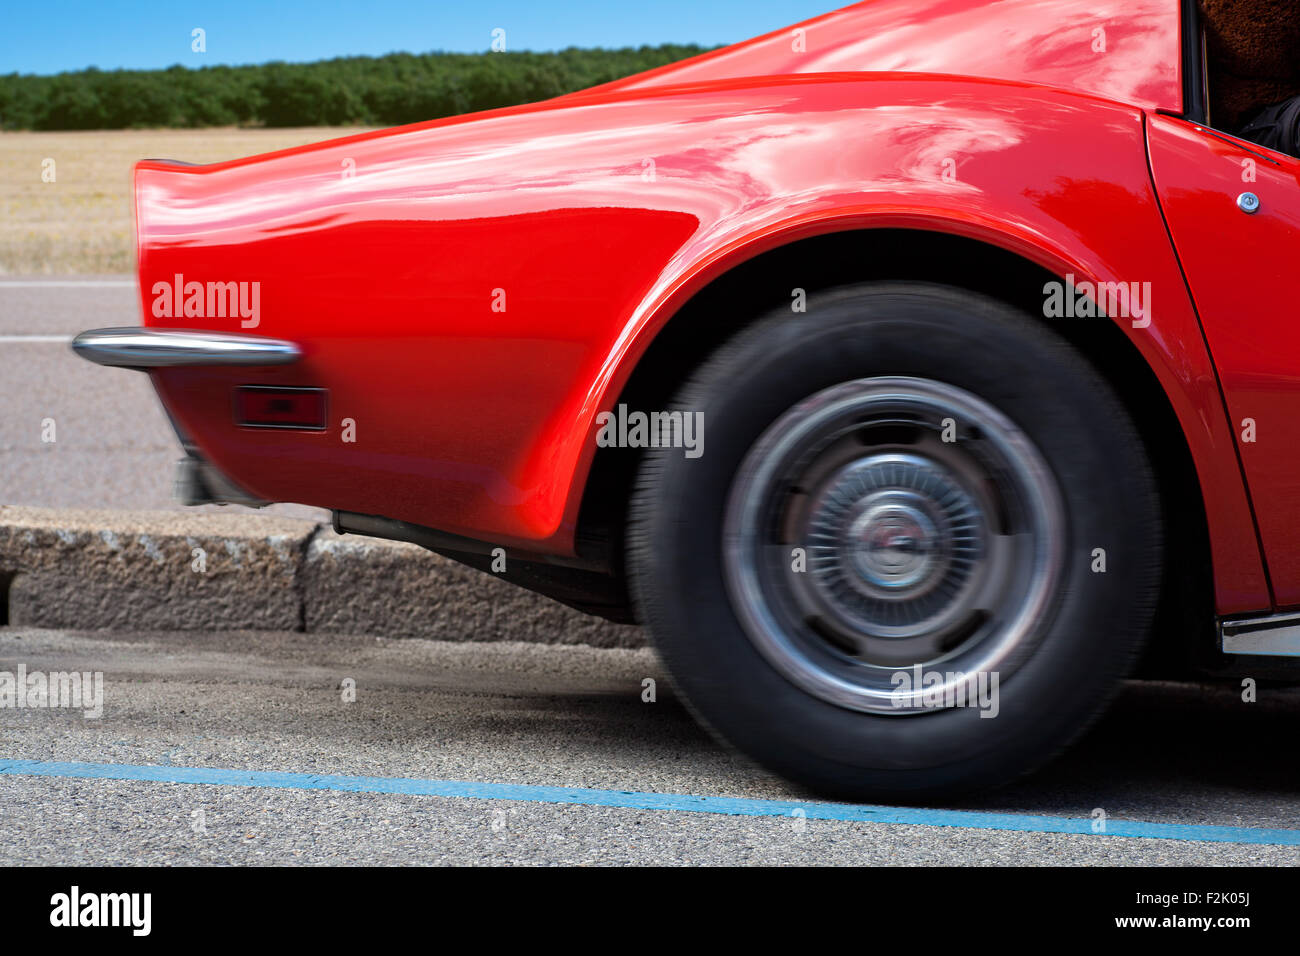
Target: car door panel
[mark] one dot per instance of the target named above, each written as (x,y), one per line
(1240,267)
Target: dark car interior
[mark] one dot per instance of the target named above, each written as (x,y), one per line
(1251,55)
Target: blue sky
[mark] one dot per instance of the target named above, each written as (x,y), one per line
(57,35)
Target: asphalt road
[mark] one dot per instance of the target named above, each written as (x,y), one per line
(506,714)
(113,446)
(454,724)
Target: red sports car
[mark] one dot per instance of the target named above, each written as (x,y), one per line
(914,373)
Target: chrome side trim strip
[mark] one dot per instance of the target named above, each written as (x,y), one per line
(162,348)
(1277,635)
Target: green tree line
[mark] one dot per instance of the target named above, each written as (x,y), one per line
(370,91)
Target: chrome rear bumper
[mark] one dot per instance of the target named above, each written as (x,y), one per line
(163,348)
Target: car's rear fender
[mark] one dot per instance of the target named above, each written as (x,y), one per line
(473,293)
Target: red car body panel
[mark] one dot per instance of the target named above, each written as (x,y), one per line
(1240,269)
(1125,50)
(591,219)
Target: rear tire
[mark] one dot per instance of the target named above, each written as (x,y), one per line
(968,495)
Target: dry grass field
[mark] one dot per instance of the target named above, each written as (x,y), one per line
(82,222)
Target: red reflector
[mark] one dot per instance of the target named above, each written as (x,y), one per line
(261,406)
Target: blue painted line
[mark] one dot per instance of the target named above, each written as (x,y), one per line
(633,800)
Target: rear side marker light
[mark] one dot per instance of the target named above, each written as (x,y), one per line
(263,406)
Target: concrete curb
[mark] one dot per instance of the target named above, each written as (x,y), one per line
(89,570)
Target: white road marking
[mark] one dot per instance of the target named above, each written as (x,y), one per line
(67,284)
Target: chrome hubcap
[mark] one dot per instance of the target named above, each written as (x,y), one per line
(930,534)
(892,543)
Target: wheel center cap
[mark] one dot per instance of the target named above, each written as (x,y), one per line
(893,543)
